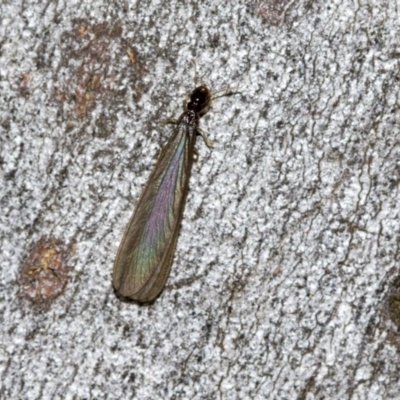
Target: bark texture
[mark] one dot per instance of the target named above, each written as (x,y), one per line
(285,282)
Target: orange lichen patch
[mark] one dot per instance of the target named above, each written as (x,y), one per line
(45,272)
(23,86)
(84,100)
(82,29)
(131,56)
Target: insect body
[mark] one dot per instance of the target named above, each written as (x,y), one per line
(145,254)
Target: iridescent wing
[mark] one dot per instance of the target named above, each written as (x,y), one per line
(145,255)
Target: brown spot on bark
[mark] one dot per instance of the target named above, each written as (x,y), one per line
(394,308)
(45,272)
(272,10)
(97,66)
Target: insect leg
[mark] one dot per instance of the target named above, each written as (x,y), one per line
(207,141)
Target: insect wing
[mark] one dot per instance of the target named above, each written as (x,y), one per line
(146,251)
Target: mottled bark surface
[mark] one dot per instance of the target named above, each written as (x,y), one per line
(285,282)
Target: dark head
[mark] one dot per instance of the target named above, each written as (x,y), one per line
(200,100)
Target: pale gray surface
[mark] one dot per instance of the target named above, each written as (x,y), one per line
(290,239)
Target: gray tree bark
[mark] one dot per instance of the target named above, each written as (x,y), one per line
(285,281)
